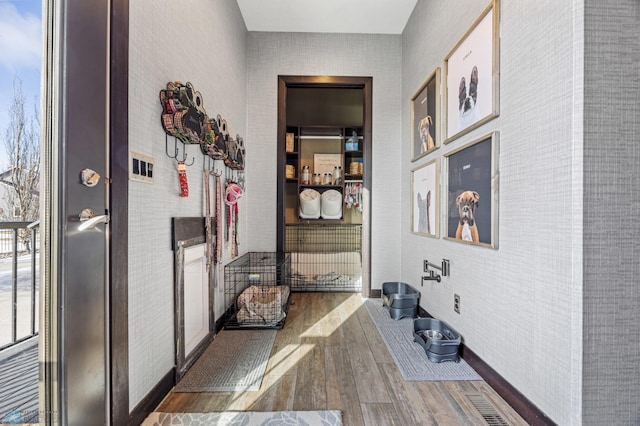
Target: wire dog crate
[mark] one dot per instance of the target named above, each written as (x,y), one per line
(257,290)
(325,257)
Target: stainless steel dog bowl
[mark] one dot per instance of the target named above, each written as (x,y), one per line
(433,334)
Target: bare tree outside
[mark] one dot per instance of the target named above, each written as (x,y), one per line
(21,181)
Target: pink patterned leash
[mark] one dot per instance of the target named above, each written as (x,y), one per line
(233,194)
(219,221)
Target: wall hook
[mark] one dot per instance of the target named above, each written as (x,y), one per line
(208,163)
(176,151)
(175,147)
(184,156)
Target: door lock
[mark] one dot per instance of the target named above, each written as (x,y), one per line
(89,177)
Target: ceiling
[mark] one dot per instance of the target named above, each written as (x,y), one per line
(327,16)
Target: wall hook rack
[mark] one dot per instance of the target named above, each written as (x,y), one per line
(443,268)
(208,163)
(176,151)
(213,170)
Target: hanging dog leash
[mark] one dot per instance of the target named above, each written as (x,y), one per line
(233,194)
(182,178)
(207,218)
(347,189)
(217,248)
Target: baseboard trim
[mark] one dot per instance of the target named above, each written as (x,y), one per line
(219,324)
(164,386)
(525,408)
(153,398)
(194,355)
(375,293)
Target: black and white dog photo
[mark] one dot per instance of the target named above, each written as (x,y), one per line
(424,225)
(468,98)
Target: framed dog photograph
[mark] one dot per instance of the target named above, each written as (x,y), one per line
(425,199)
(472,192)
(425,117)
(472,74)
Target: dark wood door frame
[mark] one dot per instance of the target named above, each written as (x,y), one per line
(365,83)
(119,248)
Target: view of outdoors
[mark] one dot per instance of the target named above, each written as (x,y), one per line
(20,75)
(20,62)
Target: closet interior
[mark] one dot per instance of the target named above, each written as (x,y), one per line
(324,134)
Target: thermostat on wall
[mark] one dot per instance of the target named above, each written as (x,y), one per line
(141,167)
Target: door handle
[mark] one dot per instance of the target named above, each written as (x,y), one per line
(89,219)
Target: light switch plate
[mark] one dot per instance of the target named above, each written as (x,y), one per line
(141,167)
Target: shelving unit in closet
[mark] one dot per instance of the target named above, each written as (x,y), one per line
(321,159)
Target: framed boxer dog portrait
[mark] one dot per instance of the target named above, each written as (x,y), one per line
(472,192)
(425,117)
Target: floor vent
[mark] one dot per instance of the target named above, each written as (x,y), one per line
(487,410)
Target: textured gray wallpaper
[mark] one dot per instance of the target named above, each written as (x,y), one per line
(516,302)
(378,56)
(611,231)
(200,42)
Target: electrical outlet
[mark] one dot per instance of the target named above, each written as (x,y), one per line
(456,303)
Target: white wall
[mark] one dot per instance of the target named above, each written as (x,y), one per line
(517,312)
(378,56)
(203,43)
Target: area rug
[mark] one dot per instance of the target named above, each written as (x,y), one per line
(234,361)
(250,418)
(409,356)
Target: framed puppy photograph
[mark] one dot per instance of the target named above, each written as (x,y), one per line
(472,74)
(472,192)
(425,199)
(425,117)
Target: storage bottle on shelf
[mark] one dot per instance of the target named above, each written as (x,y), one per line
(328,179)
(337,175)
(305,175)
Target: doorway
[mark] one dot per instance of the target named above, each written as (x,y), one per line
(325,110)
